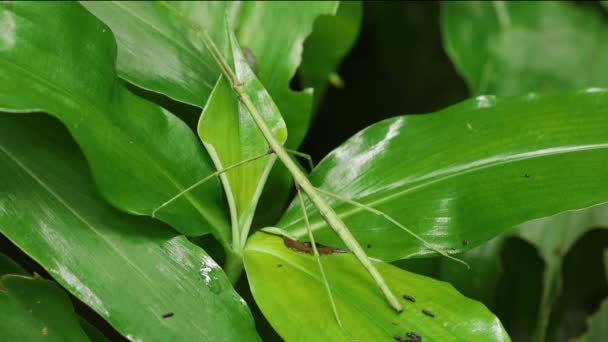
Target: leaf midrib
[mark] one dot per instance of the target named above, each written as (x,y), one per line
(444,174)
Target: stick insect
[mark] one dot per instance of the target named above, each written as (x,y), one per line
(303,184)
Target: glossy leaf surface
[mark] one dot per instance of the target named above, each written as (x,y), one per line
(231,136)
(34,309)
(130,270)
(468,172)
(504,47)
(160,52)
(140,154)
(297,306)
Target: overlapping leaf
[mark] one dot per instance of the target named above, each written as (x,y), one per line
(332,38)
(140,154)
(564,40)
(130,270)
(161,52)
(510,47)
(231,136)
(297,306)
(34,309)
(463,175)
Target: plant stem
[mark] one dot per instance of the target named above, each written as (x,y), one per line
(233,266)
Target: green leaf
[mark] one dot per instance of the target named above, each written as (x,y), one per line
(468,172)
(160,52)
(503,47)
(598,329)
(331,39)
(8,266)
(140,154)
(231,136)
(131,270)
(34,309)
(298,289)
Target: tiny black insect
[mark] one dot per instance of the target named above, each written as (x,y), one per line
(398,338)
(168,314)
(428,313)
(369,245)
(413,335)
(279,265)
(465,242)
(526,175)
(410,298)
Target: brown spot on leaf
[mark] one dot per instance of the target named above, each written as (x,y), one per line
(45,331)
(306,247)
(469,126)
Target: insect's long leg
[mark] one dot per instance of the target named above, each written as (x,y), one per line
(214,174)
(393,221)
(318,257)
(302,155)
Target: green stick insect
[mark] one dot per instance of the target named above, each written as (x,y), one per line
(303,185)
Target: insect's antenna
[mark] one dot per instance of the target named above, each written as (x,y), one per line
(215,174)
(318,257)
(306,156)
(393,221)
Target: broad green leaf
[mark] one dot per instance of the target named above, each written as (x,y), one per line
(331,39)
(131,270)
(297,305)
(564,40)
(231,136)
(140,154)
(158,51)
(503,47)
(598,329)
(553,237)
(468,172)
(8,266)
(34,309)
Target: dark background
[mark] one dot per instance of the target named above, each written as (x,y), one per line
(397,66)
